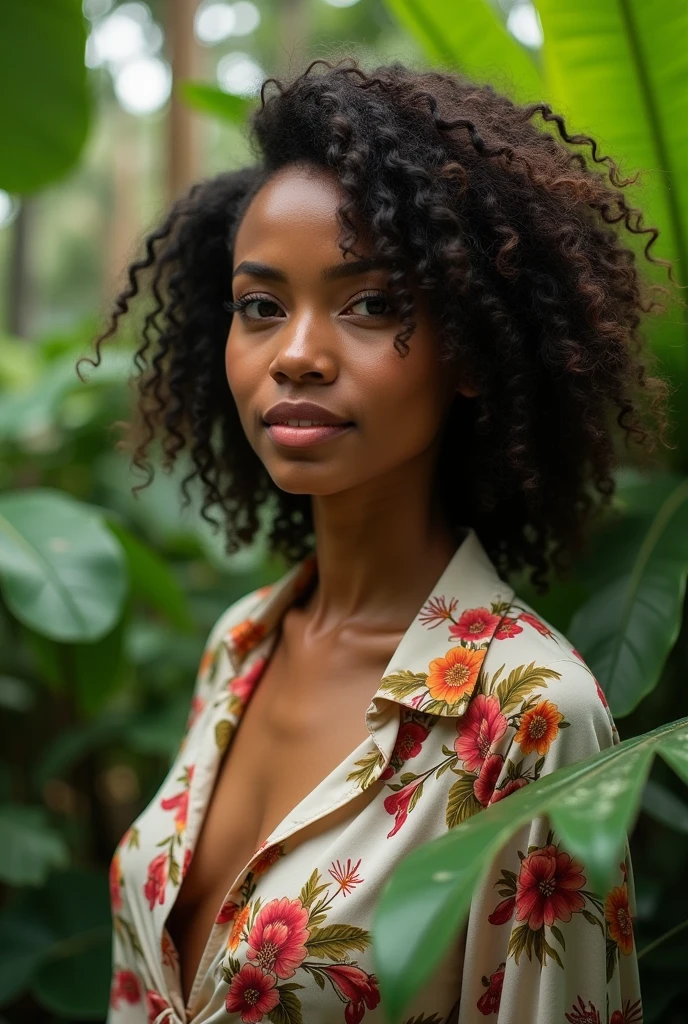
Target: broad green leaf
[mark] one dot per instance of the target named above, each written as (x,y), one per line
(44,102)
(152,579)
(471,37)
(663,806)
(29,847)
(16,694)
(62,573)
(70,746)
(637,575)
(64,944)
(211,100)
(619,72)
(427,897)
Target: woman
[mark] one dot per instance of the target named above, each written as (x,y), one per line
(402,334)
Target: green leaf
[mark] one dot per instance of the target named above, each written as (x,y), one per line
(401,684)
(44,103)
(637,570)
(16,694)
(68,748)
(619,72)
(62,573)
(337,940)
(151,578)
(210,100)
(521,681)
(288,1010)
(473,38)
(660,804)
(427,897)
(29,847)
(22,947)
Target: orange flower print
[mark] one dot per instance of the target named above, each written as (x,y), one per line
(547,887)
(271,855)
(490,1000)
(244,636)
(454,675)
(539,728)
(475,624)
(507,628)
(277,939)
(227,912)
(346,877)
(237,928)
(252,993)
(206,661)
(115,880)
(618,915)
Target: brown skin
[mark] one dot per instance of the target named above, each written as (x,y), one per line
(381,539)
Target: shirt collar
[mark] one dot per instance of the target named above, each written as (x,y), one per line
(436,665)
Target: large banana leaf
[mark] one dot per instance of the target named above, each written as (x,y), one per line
(471,37)
(619,71)
(636,572)
(44,103)
(591,805)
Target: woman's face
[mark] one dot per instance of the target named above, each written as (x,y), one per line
(313,333)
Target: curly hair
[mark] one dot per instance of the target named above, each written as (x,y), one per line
(533,293)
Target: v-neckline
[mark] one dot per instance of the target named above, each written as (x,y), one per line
(206,772)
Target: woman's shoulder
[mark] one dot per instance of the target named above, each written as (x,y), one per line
(540,679)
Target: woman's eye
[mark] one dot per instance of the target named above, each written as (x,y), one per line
(263,312)
(378,305)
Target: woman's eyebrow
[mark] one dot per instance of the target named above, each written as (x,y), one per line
(348,268)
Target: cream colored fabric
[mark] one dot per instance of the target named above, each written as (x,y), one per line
(480,698)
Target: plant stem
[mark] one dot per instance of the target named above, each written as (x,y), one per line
(663,938)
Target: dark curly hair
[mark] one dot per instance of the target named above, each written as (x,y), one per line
(532,290)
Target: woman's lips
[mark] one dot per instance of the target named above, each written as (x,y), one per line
(301,437)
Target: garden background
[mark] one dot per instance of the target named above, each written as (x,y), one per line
(107,112)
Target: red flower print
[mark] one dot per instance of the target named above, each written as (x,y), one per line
(484,785)
(507,628)
(580,1015)
(454,675)
(115,881)
(482,726)
(276,941)
(546,890)
(252,993)
(511,786)
(436,611)
(242,686)
(398,805)
(356,987)
(345,876)
(154,887)
(244,636)
(168,951)
(490,1000)
(126,986)
(197,706)
(266,860)
(600,693)
(618,915)
(155,1004)
(539,728)
(475,624)
(503,912)
(227,912)
(536,623)
(179,803)
(409,744)
(188,854)
(632,1013)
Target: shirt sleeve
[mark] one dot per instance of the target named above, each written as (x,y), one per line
(540,945)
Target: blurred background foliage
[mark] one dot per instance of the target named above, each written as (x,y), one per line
(108,111)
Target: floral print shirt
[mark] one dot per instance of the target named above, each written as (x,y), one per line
(480,698)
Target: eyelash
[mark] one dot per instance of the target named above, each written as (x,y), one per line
(239,305)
